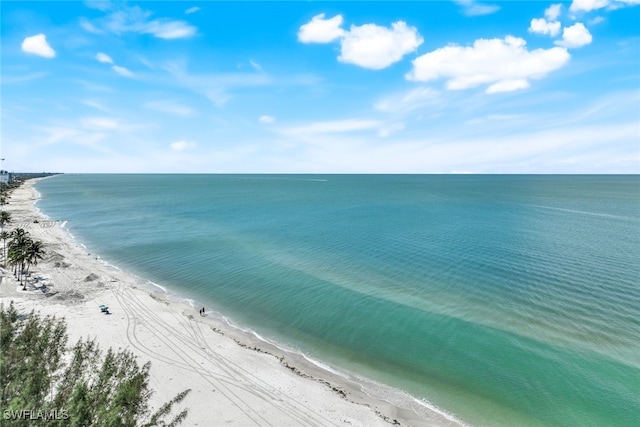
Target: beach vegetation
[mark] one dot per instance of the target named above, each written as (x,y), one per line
(5,217)
(4,235)
(18,253)
(72,386)
(23,253)
(33,253)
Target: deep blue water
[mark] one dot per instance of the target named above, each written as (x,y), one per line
(505,300)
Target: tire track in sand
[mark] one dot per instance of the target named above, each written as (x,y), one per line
(295,406)
(229,375)
(136,309)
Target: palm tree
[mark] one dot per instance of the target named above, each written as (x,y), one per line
(17,254)
(33,253)
(5,218)
(4,235)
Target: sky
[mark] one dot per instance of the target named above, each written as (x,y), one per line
(320,87)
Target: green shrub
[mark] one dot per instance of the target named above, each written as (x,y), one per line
(44,382)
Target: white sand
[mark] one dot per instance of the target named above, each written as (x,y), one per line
(235,378)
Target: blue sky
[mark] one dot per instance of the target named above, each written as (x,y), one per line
(321,87)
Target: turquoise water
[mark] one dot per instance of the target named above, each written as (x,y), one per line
(505,300)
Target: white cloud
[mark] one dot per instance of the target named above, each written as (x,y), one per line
(525,151)
(553,12)
(549,24)
(505,64)
(542,26)
(122,71)
(99,5)
(100,123)
(375,47)
(587,5)
(182,145)
(494,118)
(574,36)
(336,126)
(340,128)
(411,100)
(21,78)
(95,104)
(255,65)
(191,10)
(320,30)
(122,19)
(579,6)
(473,8)
(595,21)
(88,26)
(38,45)
(104,58)
(387,129)
(166,29)
(169,107)
(216,87)
(369,45)
(267,119)
(508,86)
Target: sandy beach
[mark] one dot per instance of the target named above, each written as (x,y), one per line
(236,379)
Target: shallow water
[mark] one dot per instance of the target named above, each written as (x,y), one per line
(505,300)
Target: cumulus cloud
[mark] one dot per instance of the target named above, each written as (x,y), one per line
(574,36)
(376,47)
(320,30)
(122,71)
(553,12)
(584,6)
(182,145)
(542,26)
(267,119)
(474,8)
(104,58)
(547,25)
(191,10)
(503,64)
(38,45)
(369,45)
(587,5)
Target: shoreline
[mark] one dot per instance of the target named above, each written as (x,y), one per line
(235,376)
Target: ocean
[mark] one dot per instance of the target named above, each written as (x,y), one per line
(505,300)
